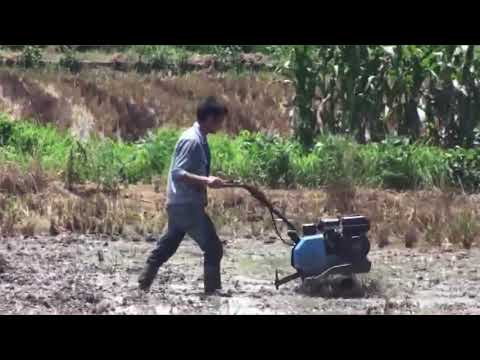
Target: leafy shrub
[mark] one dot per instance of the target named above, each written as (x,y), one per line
(31,56)
(161,57)
(267,160)
(6,131)
(76,166)
(464,168)
(70,61)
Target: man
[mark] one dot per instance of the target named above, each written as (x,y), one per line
(188,180)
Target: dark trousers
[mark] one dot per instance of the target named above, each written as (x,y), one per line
(194,221)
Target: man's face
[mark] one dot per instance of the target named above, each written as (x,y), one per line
(214,124)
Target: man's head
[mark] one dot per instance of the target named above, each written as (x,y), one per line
(211,114)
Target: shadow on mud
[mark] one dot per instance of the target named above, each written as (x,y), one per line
(341,288)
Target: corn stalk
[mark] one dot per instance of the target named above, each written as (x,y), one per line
(373,92)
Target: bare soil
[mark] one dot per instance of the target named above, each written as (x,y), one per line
(79,274)
(130,105)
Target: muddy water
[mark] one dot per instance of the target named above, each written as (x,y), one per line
(72,274)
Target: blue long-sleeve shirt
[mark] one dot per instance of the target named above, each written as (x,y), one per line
(192,154)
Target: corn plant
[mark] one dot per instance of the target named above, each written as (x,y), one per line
(305,74)
(376,91)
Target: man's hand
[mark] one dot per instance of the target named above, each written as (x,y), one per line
(215,182)
(202,181)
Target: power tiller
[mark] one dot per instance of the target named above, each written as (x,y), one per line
(337,246)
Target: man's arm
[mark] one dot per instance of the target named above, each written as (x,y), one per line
(188,154)
(211,181)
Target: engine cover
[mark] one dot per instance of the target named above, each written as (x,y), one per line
(310,256)
(314,255)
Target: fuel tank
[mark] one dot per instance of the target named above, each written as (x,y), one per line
(309,256)
(313,255)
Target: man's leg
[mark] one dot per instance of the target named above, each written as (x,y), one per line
(205,235)
(212,260)
(164,250)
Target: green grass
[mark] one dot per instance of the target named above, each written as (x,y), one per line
(269,161)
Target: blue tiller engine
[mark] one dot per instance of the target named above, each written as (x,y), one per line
(332,247)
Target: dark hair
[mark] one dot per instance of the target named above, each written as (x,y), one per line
(210,107)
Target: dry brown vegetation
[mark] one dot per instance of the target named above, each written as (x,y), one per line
(129,104)
(14,180)
(30,206)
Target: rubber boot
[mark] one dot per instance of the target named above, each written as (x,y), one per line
(147,276)
(213,282)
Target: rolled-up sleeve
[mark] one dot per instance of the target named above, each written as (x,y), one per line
(187,156)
